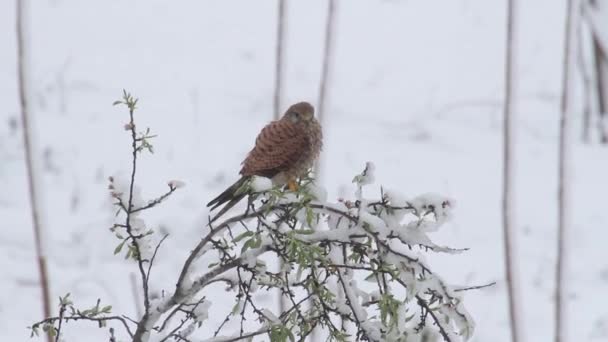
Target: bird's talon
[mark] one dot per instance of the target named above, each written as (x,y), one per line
(292,185)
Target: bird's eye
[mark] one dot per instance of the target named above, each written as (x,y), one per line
(294,116)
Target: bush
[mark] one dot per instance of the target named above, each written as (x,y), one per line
(352,269)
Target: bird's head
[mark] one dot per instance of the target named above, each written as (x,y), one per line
(301,112)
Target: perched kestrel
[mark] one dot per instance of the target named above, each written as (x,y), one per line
(284,151)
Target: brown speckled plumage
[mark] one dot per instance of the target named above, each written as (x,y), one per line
(284,150)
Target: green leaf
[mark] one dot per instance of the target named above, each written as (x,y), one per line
(65,301)
(236,307)
(310,215)
(242,236)
(34,331)
(119,247)
(247,245)
(258,242)
(303,231)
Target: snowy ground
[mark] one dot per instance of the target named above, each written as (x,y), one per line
(417,88)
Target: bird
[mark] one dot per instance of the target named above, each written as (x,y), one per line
(284,151)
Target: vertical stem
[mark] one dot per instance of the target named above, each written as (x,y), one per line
(142,326)
(587,81)
(327,58)
(562,218)
(509,228)
(135,291)
(278,75)
(29,158)
(600,54)
(601,74)
(278,84)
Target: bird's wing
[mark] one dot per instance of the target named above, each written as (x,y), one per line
(278,146)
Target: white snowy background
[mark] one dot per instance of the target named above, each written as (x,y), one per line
(416,87)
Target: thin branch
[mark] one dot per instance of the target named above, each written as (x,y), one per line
(61,314)
(351,302)
(169,316)
(154,257)
(156,201)
(80,317)
(196,251)
(442,330)
(476,287)
(141,327)
(130,212)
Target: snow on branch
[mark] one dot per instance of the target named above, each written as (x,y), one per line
(358,260)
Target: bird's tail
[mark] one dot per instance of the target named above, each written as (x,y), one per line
(230,196)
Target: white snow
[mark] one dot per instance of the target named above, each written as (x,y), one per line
(318,193)
(260,184)
(201,312)
(271,316)
(366,177)
(429,122)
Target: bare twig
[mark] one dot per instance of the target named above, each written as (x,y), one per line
(131,104)
(204,241)
(61,315)
(154,257)
(476,287)
(436,319)
(80,317)
(156,201)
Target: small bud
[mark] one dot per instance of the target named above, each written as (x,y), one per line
(176,184)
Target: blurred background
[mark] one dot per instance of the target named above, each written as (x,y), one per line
(416,86)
